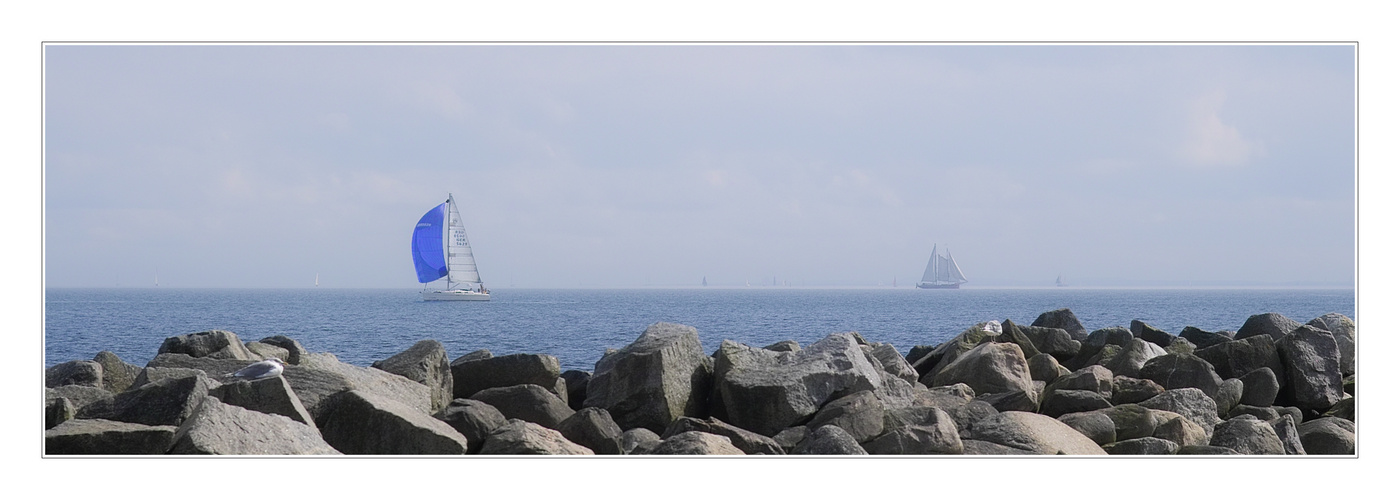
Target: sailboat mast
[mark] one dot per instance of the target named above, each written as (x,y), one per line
(446,240)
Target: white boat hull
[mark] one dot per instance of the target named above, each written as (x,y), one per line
(454,295)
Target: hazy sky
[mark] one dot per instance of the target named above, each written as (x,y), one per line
(636,165)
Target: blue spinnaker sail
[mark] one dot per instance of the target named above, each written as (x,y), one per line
(428,259)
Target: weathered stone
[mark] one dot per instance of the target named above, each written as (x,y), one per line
(1027,401)
(1228,395)
(829,440)
(1135,353)
(167,402)
(217,344)
(271,395)
(945,397)
(1201,338)
(1033,432)
(1176,371)
(661,376)
(470,375)
(1344,409)
(117,375)
(473,419)
(1288,434)
(217,428)
(1148,333)
(107,437)
(594,429)
(86,373)
(58,410)
(219,369)
(784,346)
(987,368)
(1045,368)
(788,438)
(1181,346)
(1343,329)
(1060,402)
(518,437)
(918,352)
(576,383)
(696,443)
(528,402)
(1090,378)
(751,443)
(1131,421)
(1179,430)
(1311,367)
(1091,355)
(1133,390)
(294,349)
(919,430)
(87,401)
(1188,402)
(1011,333)
(1235,358)
(156,373)
(947,352)
(1260,386)
(766,392)
(861,415)
(1115,335)
(1206,450)
(979,447)
(1053,341)
(1142,446)
(1259,412)
(1247,435)
(1064,320)
(1095,425)
(1272,324)
(321,375)
(638,441)
(964,416)
(1328,436)
(363,423)
(267,351)
(893,363)
(426,363)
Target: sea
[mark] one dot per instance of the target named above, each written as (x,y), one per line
(577,326)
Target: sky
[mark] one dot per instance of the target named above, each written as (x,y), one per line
(662,165)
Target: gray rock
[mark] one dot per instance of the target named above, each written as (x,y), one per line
(321,376)
(696,443)
(1328,436)
(267,351)
(217,344)
(156,373)
(364,423)
(167,402)
(475,373)
(1188,402)
(1027,401)
(661,376)
(945,397)
(1228,396)
(576,383)
(966,415)
(1247,435)
(1045,368)
(217,428)
(1206,450)
(1288,434)
(766,392)
(1260,386)
(1053,341)
(788,438)
(1148,333)
(1061,402)
(949,351)
(58,410)
(1311,367)
(1272,324)
(426,363)
(1176,371)
(979,447)
(986,368)
(1344,330)
(1064,320)
(107,437)
(117,375)
(294,349)
(476,355)
(594,429)
(1182,346)
(1259,412)
(829,440)
(528,402)
(638,441)
(86,401)
(1235,358)
(1090,378)
(1179,430)
(1095,425)
(893,363)
(1134,390)
(271,395)
(861,415)
(1115,335)
(1131,421)
(1135,353)
(518,437)
(1142,446)
(473,419)
(1033,432)
(751,443)
(1011,333)
(916,430)
(1345,409)
(1201,338)
(220,369)
(784,346)
(86,373)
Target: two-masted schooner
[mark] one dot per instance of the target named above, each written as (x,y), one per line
(942,271)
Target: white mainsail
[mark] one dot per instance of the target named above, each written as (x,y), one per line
(942,271)
(930,275)
(461,265)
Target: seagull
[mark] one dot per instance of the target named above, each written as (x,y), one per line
(272,367)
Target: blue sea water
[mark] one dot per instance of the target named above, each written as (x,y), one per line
(577,326)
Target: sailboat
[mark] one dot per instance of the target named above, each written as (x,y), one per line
(1060,280)
(942,271)
(441,250)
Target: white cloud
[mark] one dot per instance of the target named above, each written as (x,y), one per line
(1212,142)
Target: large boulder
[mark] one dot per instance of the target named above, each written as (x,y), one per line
(661,376)
(916,430)
(217,428)
(1045,368)
(1175,371)
(57,410)
(987,368)
(117,375)
(1135,353)
(1151,334)
(107,437)
(1272,324)
(294,349)
(178,364)
(1260,386)
(473,419)
(1011,333)
(528,402)
(1034,433)
(86,401)
(696,443)
(1133,390)
(1248,435)
(86,373)
(1201,338)
(751,443)
(1095,425)
(472,373)
(267,351)
(1090,378)
(892,362)
(321,376)
(1188,402)
(1328,436)
(1060,402)
(1288,433)
(594,429)
(639,441)
(576,384)
(426,363)
(861,415)
(1064,320)
(829,440)
(1053,341)
(1142,446)
(949,351)
(1311,368)
(518,437)
(167,402)
(766,391)
(1344,330)
(365,423)
(217,344)
(1235,358)
(271,395)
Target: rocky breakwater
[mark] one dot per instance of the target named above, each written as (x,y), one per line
(1275,386)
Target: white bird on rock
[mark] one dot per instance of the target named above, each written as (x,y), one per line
(271,367)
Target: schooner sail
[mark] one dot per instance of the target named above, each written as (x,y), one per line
(441,249)
(942,271)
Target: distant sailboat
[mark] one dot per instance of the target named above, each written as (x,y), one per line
(318,279)
(440,249)
(703,282)
(1060,280)
(157,279)
(942,271)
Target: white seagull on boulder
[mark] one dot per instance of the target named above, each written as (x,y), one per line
(271,367)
